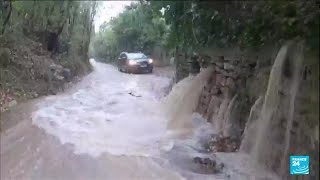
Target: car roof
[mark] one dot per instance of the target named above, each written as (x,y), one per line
(135,53)
(132,53)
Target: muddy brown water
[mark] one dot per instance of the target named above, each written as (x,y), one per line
(98,130)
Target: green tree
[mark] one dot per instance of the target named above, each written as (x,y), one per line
(63,27)
(239,23)
(136,29)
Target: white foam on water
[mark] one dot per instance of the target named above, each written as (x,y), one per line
(238,166)
(121,114)
(179,107)
(116,113)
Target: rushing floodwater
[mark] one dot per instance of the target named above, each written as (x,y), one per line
(119,127)
(115,112)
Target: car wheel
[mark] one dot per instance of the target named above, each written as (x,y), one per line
(150,70)
(126,69)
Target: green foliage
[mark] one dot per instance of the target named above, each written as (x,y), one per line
(69,21)
(104,44)
(136,29)
(37,34)
(247,24)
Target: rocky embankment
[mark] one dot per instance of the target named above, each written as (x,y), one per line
(27,71)
(265,106)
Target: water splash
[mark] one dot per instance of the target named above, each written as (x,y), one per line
(181,103)
(188,131)
(275,120)
(250,132)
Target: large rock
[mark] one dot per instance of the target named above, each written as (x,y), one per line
(228,66)
(230,83)
(220,143)
(8,105)
(231,74)
(214,90)
(66,73)
(55,67)
(57,76)
(204,61)
(60,73)
(219,64)
(220,80)
(209,164)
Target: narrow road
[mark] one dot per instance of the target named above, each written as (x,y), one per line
(110,125)
(106,127)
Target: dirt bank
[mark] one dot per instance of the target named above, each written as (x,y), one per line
(28,70)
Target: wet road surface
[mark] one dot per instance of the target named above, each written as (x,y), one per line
(110,125)
(103,128)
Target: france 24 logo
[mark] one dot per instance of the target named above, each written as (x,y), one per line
(299,164)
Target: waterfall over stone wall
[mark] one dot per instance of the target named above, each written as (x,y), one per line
(271,108)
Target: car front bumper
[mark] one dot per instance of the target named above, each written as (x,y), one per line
(138,68)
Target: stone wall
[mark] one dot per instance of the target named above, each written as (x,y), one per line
(234,98)
(223,99)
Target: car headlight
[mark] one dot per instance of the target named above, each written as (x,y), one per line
(132,62)
(150,61)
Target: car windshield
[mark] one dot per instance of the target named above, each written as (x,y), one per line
(136,56)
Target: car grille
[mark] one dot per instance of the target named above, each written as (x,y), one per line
(143,63)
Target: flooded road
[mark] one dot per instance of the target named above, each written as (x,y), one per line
(110,125)
(113,112)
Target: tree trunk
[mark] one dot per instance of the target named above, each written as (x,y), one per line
(7,18)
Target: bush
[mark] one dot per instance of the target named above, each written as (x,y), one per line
(4,56)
